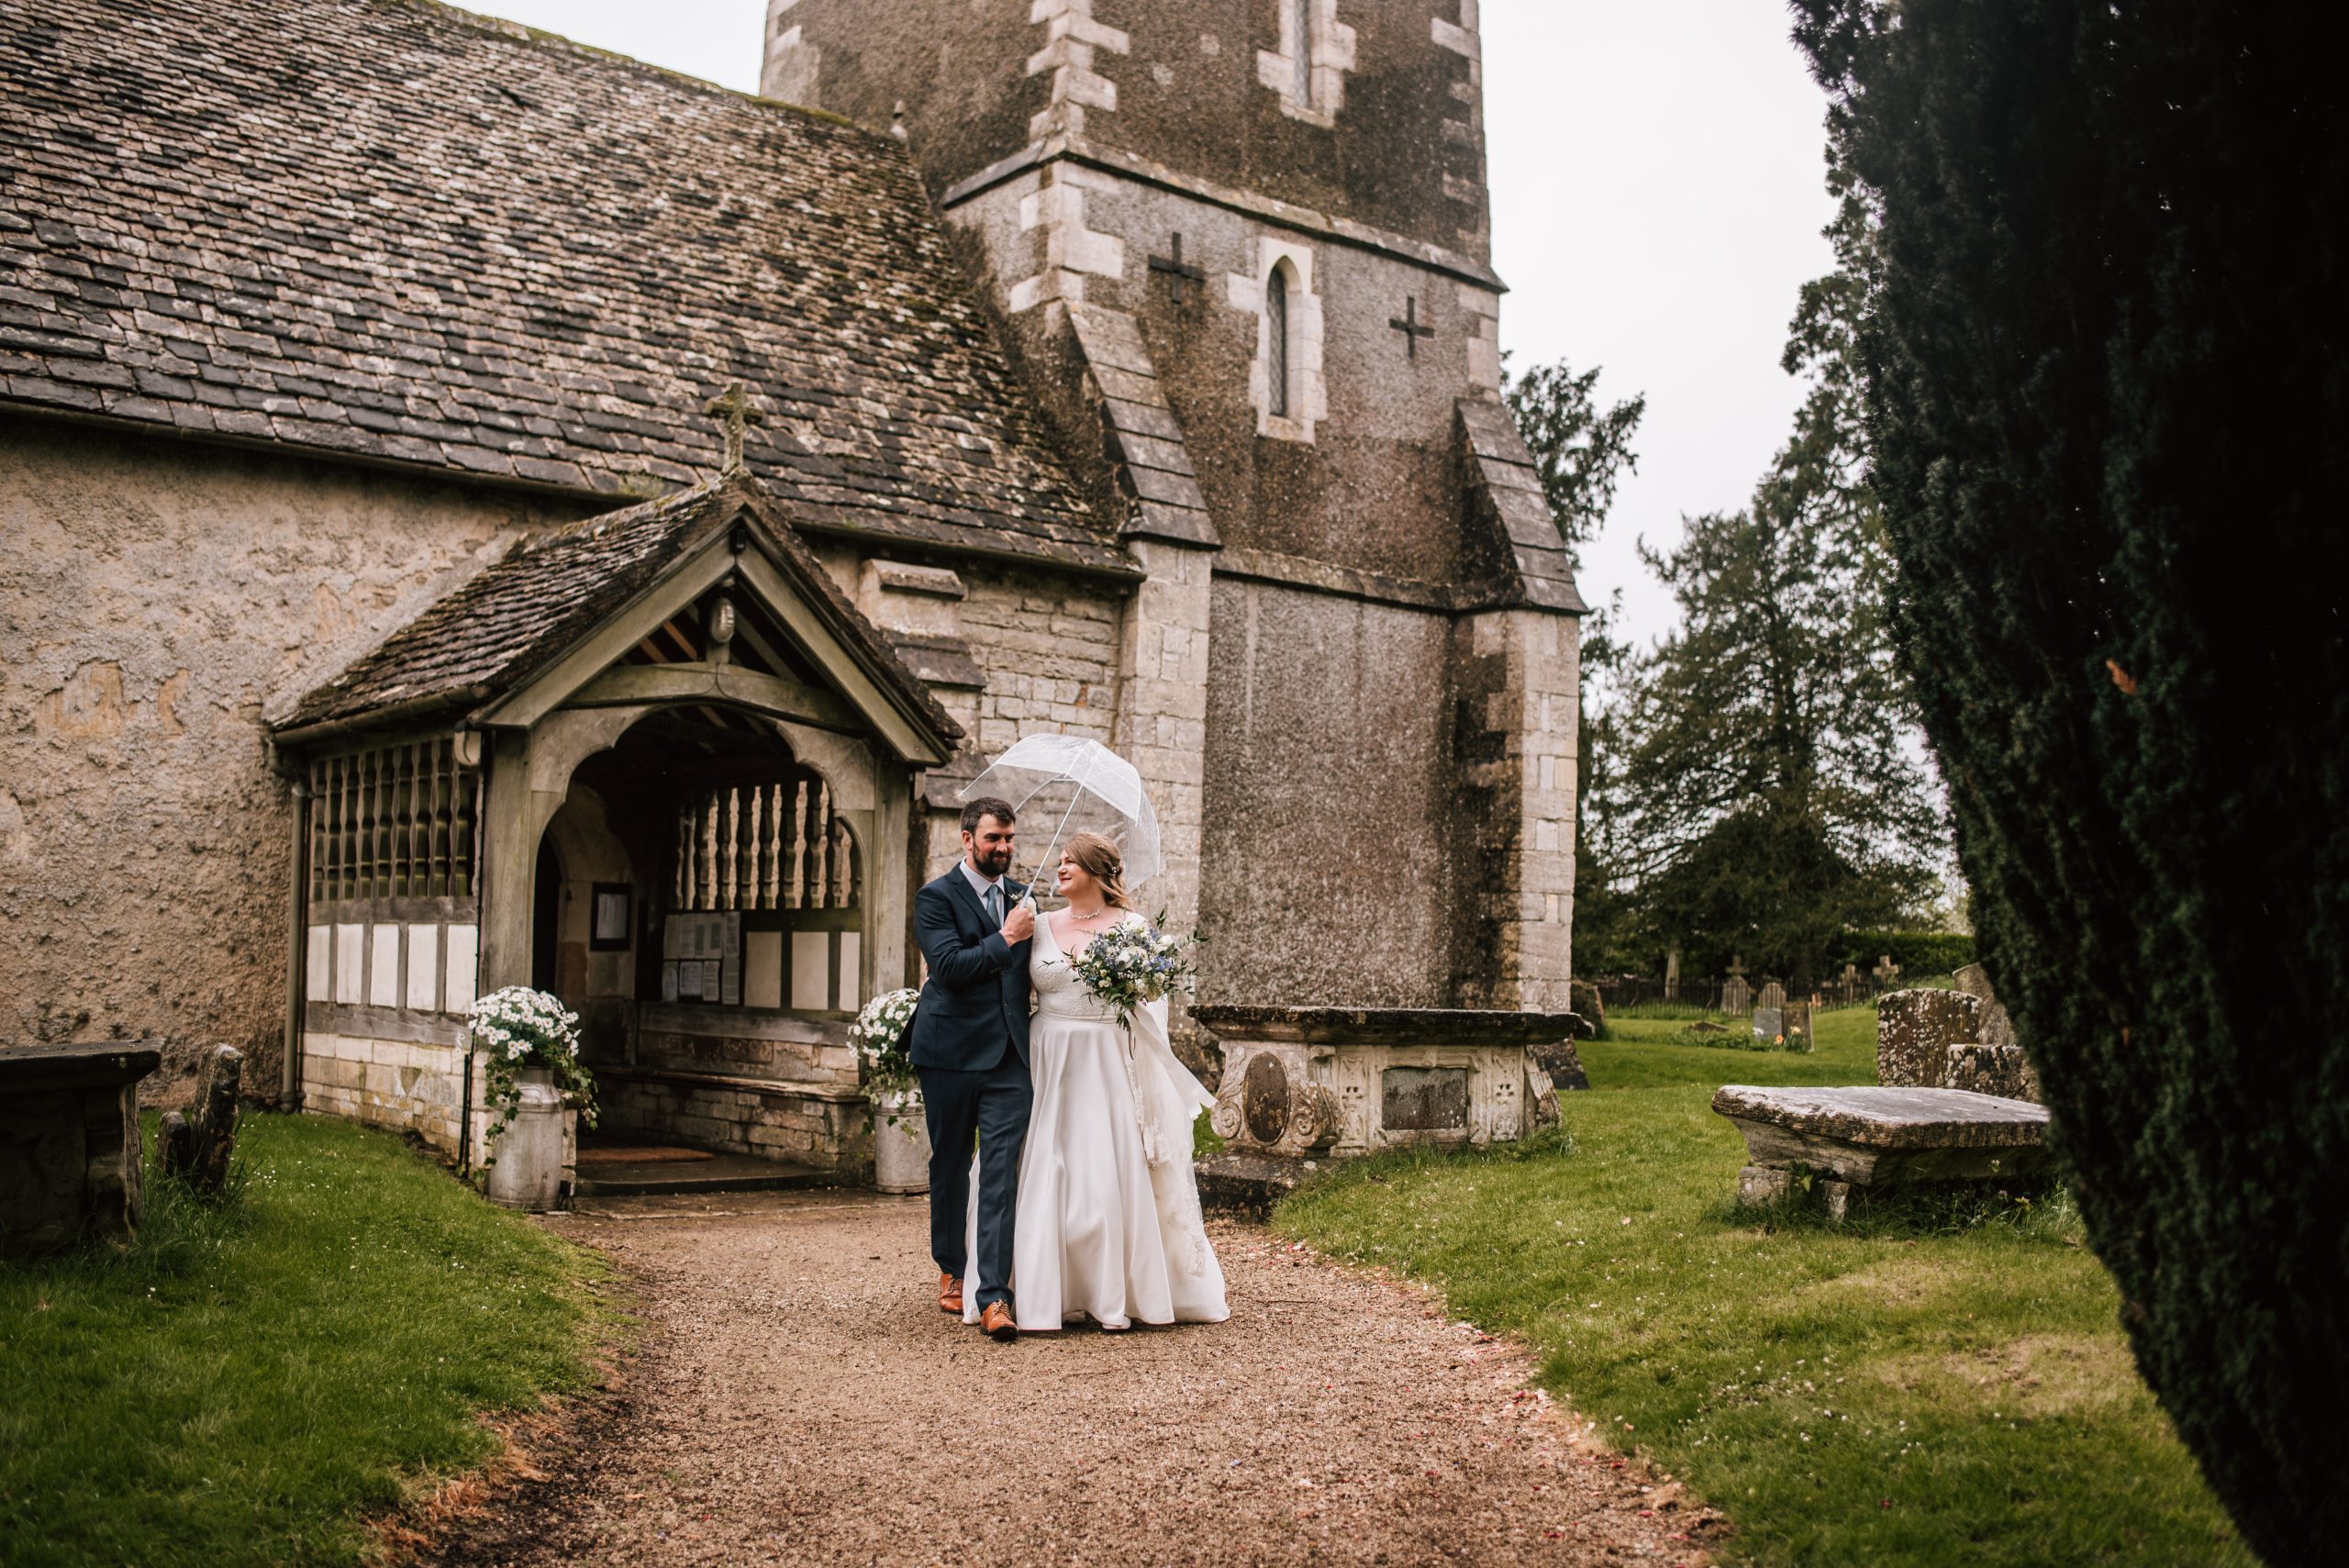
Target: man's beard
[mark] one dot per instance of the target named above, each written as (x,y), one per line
(990,863)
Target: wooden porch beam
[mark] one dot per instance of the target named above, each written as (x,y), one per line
(632,685)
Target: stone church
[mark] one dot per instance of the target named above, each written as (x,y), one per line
(399,605)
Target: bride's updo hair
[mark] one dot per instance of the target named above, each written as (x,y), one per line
(1102,861)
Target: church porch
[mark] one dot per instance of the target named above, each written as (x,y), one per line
(667,777)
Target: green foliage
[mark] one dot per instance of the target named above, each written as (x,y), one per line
(1941,1381)
(2106,382)
(1919,954)
(1776,805)
(247,1382)
(1580,452)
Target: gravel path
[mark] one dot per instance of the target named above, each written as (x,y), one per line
(802,1400)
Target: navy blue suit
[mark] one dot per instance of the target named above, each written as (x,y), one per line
(969,1044)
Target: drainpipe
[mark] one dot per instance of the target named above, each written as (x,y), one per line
(296,969)
(472,753)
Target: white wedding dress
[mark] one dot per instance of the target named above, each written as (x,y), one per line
(1109,1223)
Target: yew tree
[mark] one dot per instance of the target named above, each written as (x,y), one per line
(2105,360)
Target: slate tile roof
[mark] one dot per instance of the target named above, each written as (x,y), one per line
(392,229)
(493,632)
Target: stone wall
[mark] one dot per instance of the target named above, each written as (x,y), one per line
(1048,650)
(407,1085)
(1388,129)
(154,596)
(806,1127)
(1365,477)
(1514,820)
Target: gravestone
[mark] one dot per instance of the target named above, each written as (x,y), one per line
(1795,1024)
(198,1151)
(1563,1062)
(69,1143)
(1995,1064)
(1997,1027)
(1914,1030)
(1850,982)
(1736,996)
(1769,1023)
(1885,971)
(1583,998)
(1983,1069)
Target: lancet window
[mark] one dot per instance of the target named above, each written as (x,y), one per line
(1300,43)
(1276,354)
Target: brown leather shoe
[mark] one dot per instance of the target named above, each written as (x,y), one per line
(950,1295)
(994,1321)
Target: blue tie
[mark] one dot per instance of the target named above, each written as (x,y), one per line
(994,901)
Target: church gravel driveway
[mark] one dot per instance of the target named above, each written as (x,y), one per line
(800,1399)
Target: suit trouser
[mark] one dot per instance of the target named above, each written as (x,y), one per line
(991,1107)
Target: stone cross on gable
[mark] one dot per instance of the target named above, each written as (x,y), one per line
(1180,275)
(733,411)
(1408,325)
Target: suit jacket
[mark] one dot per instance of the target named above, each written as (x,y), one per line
(975,1006)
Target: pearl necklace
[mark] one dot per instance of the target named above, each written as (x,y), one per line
(1097,910)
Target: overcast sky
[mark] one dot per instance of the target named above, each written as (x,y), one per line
(1657,199)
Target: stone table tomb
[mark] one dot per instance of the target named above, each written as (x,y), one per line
(69,1143)
(1878,1137)
(1304,1084)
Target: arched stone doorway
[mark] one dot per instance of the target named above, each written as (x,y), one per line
(709,928)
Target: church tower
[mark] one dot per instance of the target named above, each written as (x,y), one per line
(1244,250)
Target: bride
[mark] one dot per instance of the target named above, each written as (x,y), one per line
(1107,1225)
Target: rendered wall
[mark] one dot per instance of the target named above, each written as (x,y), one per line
(154,596)
(1328,878)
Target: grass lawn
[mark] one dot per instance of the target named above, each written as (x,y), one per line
(246,1384)
(1943,1382)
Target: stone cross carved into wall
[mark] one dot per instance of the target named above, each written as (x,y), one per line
(1180,275)
(1409,325)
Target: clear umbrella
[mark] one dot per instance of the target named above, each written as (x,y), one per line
(1081,784)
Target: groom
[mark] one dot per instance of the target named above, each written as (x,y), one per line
(970,1046)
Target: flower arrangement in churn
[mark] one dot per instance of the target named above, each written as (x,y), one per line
(517,1029)
(1133,964)
(880,1035)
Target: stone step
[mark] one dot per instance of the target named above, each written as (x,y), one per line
(718,1174)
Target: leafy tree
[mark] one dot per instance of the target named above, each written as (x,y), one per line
(1581,453)
(2106,368)
(1779,800)
(1777,804)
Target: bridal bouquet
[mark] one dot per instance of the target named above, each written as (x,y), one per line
(1132,966)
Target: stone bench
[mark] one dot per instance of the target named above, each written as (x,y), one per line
(1877,1138)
